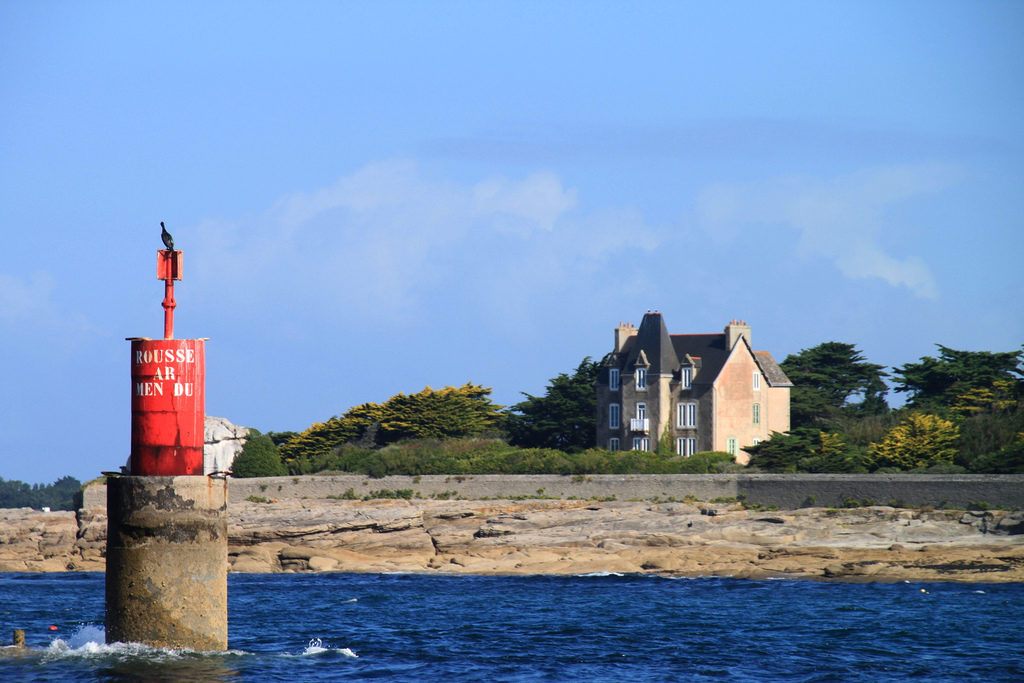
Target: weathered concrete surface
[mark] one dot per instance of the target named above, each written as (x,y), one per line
(570,537)
(166,569)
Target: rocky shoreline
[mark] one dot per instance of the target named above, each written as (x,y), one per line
(875,543)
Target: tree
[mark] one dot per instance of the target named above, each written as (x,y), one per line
(563,418)
(259,458)
(920,440)
(827,380)
(450,412)
(323,437)
(59,495)
(805,449)
(969,381)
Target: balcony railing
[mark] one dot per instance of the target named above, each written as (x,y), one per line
(639,424)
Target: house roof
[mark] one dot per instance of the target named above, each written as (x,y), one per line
(652,339)
(664,353)
(771,370)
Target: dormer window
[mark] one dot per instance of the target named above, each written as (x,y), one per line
(641,378)
(613,379)
(685,377)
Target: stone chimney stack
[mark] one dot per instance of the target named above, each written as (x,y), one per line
(735,330)
(623,332)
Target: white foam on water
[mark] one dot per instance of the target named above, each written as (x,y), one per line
(90,641)
(316,647)
(591,574)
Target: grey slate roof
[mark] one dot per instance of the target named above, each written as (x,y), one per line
(771,370)
(653,339)
(665,353)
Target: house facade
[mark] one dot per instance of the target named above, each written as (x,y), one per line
(709,392)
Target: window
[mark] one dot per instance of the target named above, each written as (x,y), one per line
(686,446)
(756,441)
(613,415)
(757,413)
(757,380)
(641,411)
(641,443)
(685,377)
(686,415)
(641,378)
(613,443)
(731,446)
(613,379)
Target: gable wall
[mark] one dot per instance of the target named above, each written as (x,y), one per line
(734,399)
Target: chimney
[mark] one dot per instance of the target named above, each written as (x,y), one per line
(735,330)
(623,332)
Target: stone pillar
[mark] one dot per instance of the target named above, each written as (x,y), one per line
(167,562)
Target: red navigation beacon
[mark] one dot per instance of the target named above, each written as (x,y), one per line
(168,397)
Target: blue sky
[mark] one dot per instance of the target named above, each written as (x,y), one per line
(376,197)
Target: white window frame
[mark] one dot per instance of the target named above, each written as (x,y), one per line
(613,379)
(641,379)
(613,443)
(732,446)
(614,416)
(641,443)
(686,377)
(756,413)
(686,446)
(757,380)
(641,410)
(686,415)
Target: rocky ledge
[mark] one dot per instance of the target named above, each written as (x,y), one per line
(568,537)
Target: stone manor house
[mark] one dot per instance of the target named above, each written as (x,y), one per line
(711,392)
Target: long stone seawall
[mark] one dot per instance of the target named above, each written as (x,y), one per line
(787,491)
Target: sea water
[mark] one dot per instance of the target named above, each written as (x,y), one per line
(325,627)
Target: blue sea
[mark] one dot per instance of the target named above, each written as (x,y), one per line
(326,627)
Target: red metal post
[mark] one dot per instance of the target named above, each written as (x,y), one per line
(168,269)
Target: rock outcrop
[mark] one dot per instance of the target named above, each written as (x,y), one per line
(222,441)
(572,537)
(566,537)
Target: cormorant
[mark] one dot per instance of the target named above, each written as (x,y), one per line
(166,237)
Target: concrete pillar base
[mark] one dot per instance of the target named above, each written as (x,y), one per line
(167,562)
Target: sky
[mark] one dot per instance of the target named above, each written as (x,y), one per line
(372,198)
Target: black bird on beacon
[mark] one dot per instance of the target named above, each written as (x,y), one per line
(166,237)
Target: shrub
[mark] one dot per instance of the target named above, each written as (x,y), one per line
(259,458)
(920,440)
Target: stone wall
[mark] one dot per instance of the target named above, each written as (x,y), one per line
(787,491)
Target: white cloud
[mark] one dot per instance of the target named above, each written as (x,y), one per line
(25,298)
(840,219)
(386,239)
(27,308)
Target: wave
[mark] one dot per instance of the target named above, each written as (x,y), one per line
(89,641)
(316,647)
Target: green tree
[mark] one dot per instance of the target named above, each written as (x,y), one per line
(450,412)
(321,438)
(967,381)
(563,418)
(259,458)
(919,440)
(830,380)
(805,449)
(59,495)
